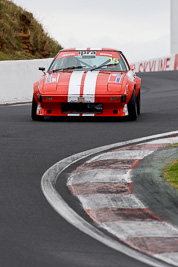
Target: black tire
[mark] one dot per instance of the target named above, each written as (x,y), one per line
(138,103)
(34,116)
(132,107)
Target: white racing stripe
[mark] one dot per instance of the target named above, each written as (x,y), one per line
(74,86)
(88,115)
(88,90)
(91,48)
(78,48)
(72,114)
(90,86)
(95,48)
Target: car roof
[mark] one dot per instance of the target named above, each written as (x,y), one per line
(89,48)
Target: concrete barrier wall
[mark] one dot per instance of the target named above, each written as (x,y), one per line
(158,64)
(17,79)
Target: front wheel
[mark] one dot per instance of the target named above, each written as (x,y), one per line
(34,116)
(132,107)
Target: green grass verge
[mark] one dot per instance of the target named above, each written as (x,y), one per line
(171,174)
(22,36)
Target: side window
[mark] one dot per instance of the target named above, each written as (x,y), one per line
(56,64)
(124,63)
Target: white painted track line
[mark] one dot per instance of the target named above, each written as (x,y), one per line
(171,257)
(16,104)
(164,141)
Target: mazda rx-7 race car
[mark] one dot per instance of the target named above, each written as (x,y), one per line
(87,82)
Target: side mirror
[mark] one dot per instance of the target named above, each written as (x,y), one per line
(132,67)
(42,69)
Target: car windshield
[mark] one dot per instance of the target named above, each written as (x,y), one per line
(88,60)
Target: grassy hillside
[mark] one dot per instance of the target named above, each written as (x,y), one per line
(22,36)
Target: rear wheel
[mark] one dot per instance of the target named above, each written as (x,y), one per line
(132,107)
(34,116)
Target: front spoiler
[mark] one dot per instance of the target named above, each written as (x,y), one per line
(107,111)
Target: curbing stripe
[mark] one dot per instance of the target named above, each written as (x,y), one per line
(117,214)
(143,146)
(92,198)
(106,164)
(101,188)
(131,229)
(123,154)
(100,201)
(48,187)
(104,176)
(156,245)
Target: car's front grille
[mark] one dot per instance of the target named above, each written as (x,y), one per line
(77,108)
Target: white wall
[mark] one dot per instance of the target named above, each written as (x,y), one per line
(158,64)
(17,78)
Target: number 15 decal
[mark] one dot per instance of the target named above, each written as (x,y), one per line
(114,60)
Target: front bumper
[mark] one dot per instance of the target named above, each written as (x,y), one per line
(110,105)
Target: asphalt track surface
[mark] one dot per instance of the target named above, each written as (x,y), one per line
(31,232)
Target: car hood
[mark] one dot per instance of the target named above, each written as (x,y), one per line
(64,82)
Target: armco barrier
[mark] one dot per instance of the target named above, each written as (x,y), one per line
(158,64)
(17,78)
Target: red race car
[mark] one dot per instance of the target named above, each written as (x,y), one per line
(87,82)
